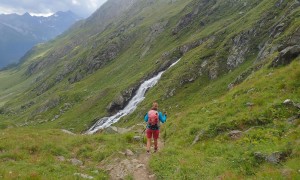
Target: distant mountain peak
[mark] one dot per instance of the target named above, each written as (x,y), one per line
(26,14)
(27,30)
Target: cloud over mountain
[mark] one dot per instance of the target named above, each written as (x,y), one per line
(46,7)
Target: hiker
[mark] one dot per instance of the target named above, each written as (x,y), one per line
(153,119)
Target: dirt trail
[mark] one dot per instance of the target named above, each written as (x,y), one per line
(135,165)
(144,173)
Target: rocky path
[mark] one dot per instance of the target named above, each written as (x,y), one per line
(143,173)
(134,165)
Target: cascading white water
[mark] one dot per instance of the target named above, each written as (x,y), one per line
(131,106)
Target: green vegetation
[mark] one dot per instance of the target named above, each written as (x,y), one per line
(43,154)
(265,125)
(202,109)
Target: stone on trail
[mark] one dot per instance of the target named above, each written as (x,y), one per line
(128,152)
(152,176)
(140,166)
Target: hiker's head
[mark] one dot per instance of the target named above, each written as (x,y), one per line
(155,106)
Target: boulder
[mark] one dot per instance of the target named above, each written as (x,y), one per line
(140,166)
(235,134)
(293,119)
(137,138)
(276,157)
(128,152)
(61,158)
(288,102)
(76,162)
(286,56)
(111,130)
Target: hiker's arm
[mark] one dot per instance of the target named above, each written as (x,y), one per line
(162,118)
(146,117)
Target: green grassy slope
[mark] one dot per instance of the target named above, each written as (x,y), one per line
(265,125)
(195,93)
(26,153)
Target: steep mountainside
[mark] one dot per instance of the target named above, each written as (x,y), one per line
(228,113)
(19,33)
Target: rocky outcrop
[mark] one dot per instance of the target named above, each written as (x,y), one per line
(62,110)
(76,78)
(294,39)
(184,21)
(286,56)
(266,50)
(108,54)
(97,61)
(289,102)
(189,18)
(50,104)
(189,46)
(239,49)
(101,57)
(213,70)
(235,134)
(108,12)
(273,158)
(122,99)
(240,78)
(155,30)
(49,59)
(75,162)
(28,105)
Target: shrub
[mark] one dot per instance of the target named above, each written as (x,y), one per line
(129,137)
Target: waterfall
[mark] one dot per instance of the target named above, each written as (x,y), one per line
(131,106)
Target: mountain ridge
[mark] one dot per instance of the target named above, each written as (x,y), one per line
(31,30)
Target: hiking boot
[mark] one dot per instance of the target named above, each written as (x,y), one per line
(155,150)
(148,152)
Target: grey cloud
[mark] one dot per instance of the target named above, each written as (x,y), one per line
(80,7)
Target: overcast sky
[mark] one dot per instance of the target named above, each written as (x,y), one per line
(82,8)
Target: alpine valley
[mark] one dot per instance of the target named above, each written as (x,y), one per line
(233,98)
(19,33)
